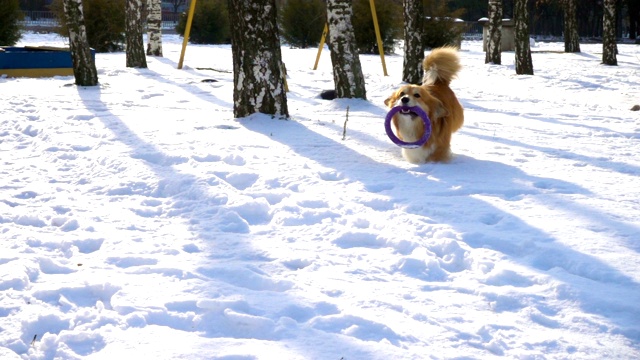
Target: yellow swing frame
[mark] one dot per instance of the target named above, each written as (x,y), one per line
(192,8)
(374,15)
(187,33)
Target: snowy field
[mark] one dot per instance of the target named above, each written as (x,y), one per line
(140,220)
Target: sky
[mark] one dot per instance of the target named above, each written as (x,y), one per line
(140,219)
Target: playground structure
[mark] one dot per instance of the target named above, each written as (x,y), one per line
(372,5)
(187,32)
(36,61)
(374,15)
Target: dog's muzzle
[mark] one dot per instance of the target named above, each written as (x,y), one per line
(406,111)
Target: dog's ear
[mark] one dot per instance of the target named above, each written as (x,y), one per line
(391,100)
(438,109)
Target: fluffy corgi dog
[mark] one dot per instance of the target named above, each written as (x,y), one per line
(437,99)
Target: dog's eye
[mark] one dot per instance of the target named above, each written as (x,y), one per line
(402,94)
(417,95)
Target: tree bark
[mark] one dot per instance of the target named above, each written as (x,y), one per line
(413,44)
(133,35)
(609,33)
(347,71)
(84,66)
(524,64)
(494,46)
(154,28)
(571,37)
(258,75)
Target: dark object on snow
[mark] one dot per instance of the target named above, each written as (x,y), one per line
(328,94)
(635,108)
(209,80)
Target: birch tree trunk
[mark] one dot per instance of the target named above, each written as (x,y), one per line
(524,64)
(84,66)
(609,33)
(133,35)
(413,12)
(347,71)
(571,37)
(154,27)
(494,46)
(258,76)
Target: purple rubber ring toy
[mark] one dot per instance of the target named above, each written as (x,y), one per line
(425,119)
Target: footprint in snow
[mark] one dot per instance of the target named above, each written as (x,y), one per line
(244,277)
(380,187)
(127,262)
(331,175)
(297,264)
(206,158)
(158,158)
(149,96)
(81,147)
(30,131)
(353,239)
(490,219)
(48,266)
(88,246)
(234,160)
(148,212)
(356,327)
(26,195)
(81,117)
(508,278)
(86,295)
(240,181)
(65,224)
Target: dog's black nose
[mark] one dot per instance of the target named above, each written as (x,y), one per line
(405,99)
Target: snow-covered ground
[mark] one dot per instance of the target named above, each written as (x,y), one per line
(140,220)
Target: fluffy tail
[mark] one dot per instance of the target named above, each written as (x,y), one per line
(441,65)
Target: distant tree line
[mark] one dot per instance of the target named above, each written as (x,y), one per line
(546,16)
(173,6)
